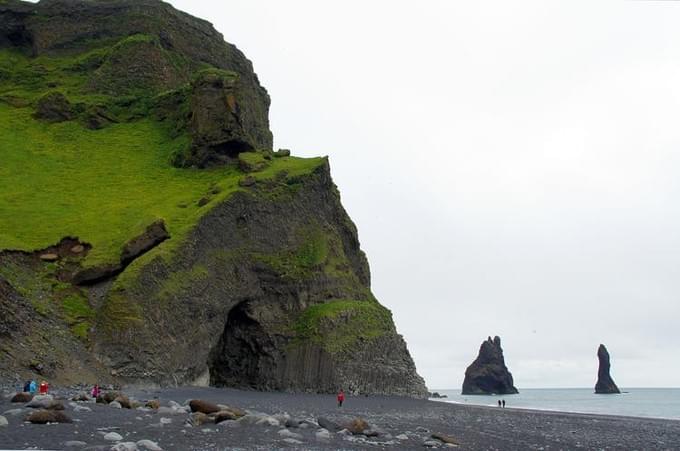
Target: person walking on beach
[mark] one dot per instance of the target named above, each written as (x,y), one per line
(341,398)
(499,403)
(504,403)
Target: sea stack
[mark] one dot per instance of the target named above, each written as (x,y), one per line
(605,384)
(488,374)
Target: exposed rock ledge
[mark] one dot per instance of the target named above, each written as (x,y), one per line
(154,235)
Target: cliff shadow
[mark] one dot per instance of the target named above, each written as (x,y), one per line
(248,356)
(243,356)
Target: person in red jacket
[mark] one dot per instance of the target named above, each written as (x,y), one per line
(43,388)
(341,398)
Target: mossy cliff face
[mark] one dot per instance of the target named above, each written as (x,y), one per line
(168,244)
(269,291)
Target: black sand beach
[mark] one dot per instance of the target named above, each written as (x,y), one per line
(401,424)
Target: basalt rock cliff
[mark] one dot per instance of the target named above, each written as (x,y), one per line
(168,243)
(605,384)
(488,374)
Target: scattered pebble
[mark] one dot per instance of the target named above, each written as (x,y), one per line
(289,434)
(149,445)
(323,435)
(125,446)
(113,436)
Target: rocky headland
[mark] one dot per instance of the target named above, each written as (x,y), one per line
(168,243)
(605,384)
(488,374)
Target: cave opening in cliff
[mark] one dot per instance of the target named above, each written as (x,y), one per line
(231,148)
(241,357)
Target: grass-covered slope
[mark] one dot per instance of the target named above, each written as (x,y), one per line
(103,186)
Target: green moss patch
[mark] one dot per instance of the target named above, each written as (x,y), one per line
(300,262)
(179,281)
(119,313)
(78,314)
(339,325)
(252,161)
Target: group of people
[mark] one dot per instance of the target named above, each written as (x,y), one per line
(32,387)
(501,403)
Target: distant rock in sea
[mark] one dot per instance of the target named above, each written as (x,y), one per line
(436,395)
(605,383)
(488,374)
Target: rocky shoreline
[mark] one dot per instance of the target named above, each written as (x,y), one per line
(258,420)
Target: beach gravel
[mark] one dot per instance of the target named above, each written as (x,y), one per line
(392,423)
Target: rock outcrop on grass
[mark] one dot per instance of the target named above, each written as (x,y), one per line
(605,384)
(54,107)
(488,374)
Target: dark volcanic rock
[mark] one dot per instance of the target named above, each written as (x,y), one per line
(605,384)
(328,424)
(54,107)
(13,32)
(218,123)
(198,405)
(246,305)
(488,373)
(15,312)
(158,49)
(154,235)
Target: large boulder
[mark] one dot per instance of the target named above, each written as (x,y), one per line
(48,416)
(198,405)
(107,397)
(327,424)
(605,384)
(357,426)
(22,397)
(219,116)
(488,374)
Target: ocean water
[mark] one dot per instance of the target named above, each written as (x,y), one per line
(636,402)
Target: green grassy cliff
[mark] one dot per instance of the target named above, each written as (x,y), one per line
(149,232)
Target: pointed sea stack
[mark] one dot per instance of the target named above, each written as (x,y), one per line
(488,374)
(605,384)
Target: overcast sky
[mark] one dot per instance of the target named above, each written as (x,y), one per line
(513,169)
